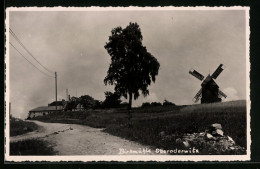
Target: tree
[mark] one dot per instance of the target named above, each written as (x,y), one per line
(132,67)
(112,100)
(87,101)
(72,104)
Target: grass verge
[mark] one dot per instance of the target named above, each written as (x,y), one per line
(18,127)
(31,147)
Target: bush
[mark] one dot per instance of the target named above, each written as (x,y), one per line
(123,105)
(98,105)
(146,104)
(156,104)
(167,103)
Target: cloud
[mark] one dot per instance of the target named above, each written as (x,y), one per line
(231,93)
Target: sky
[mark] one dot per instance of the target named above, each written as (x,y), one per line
(71,43)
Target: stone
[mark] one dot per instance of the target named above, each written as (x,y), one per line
(202,134)
(231,140)
(178,141)
(186,144)
(209,136)
(224,144)
(232,148)
(214,144)
(189,137)
(218,132)
(216,126)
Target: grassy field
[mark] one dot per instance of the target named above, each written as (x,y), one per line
(18,127)
(145,124)
(105,117)
(31,147)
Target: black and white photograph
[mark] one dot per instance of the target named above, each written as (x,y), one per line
(127,84)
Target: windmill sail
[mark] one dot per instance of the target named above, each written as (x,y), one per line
(222,94)
(196,74)
(197,96)
(218,71)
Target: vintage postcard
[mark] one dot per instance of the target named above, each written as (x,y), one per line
(127,84)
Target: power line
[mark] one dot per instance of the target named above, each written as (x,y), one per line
(29,61)
(18,40)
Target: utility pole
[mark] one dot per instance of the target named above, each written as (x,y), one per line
(56,88)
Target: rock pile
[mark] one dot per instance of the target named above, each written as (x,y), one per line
(212,141)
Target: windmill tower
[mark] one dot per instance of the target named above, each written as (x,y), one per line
(209,91)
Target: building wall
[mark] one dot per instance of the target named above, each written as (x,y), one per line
(36,114)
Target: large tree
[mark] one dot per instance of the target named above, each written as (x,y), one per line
(132,67)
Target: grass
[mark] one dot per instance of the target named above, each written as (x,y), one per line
(31,147)
(146,124)
(19,127)
(105,117)
(148,131)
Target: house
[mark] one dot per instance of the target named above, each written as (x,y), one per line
(44,110)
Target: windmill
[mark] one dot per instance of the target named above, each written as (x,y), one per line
(209,91)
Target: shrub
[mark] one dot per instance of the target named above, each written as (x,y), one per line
(98,105)
(146,104)
(156,104)
(167,103)
(123,105)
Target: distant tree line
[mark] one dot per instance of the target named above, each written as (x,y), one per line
(112,100)
(165,103)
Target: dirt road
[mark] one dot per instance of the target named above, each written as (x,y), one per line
(73,139)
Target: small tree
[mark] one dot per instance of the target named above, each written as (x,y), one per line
(132,67)
(112,100)
(72,104)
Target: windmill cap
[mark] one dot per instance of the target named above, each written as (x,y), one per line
(207,80)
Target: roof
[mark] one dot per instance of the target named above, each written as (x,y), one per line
(209,81)
(47,108)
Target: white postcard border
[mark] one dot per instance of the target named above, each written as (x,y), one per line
(124,158)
